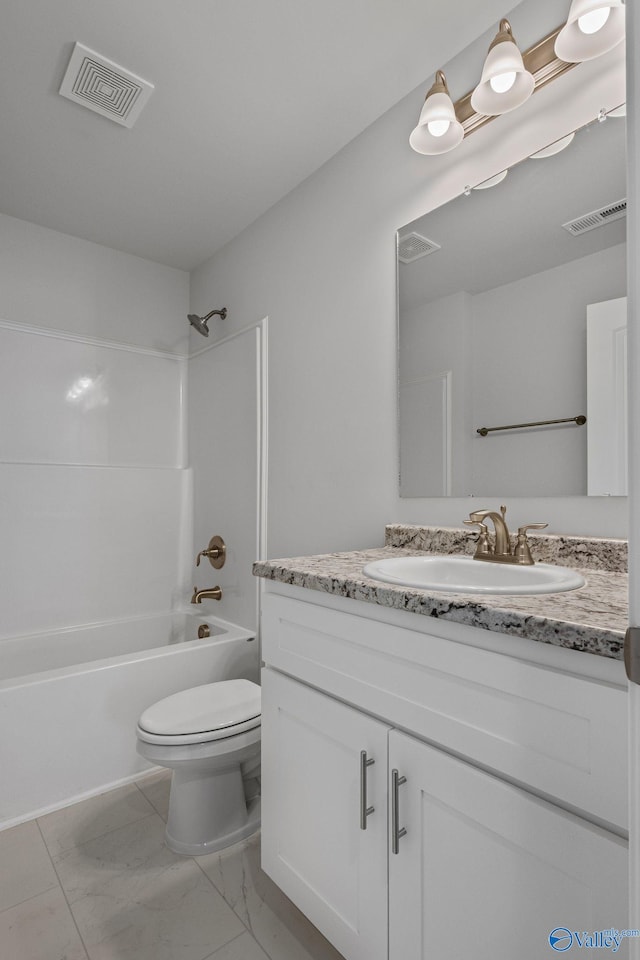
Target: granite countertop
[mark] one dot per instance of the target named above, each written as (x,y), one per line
(592,619)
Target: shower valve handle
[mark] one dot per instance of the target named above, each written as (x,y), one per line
(212,554)
(216,553)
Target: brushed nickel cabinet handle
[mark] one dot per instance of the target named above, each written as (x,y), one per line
(397,832)
(365,811)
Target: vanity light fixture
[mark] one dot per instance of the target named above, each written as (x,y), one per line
(593,27)
(510,77)
(505,82)
(438,129)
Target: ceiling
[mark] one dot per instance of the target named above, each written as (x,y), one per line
(514,229)
(251,97)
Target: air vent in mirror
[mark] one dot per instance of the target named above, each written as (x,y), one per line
(589,221)
(413,246)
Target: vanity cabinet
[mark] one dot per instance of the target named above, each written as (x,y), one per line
(486,870)
(312,843)
(467,849)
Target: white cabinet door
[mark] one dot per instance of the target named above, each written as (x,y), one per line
(313,845)
(488,871)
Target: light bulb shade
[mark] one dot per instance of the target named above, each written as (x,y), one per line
(556,147)
(503,58)
(438,107)
(574,46)
(492,181)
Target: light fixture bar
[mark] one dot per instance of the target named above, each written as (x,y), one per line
(540,60)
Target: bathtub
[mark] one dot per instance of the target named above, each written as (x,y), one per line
(70,699)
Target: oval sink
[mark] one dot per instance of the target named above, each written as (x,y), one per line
(464,575)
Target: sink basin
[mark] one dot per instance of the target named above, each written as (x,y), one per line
(464,575)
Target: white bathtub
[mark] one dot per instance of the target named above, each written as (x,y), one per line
(70,699)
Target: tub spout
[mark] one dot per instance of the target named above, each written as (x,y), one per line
(213,593)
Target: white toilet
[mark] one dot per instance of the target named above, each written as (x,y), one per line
(210,737)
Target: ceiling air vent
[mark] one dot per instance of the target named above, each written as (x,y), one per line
(104,86)
(589,221)
(413,246)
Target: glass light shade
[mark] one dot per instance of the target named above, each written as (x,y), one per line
(594,21)
(503,59)
(574,45)
(438,129)
(492,181)
(556,147)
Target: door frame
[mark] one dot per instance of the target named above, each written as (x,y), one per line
(633,289)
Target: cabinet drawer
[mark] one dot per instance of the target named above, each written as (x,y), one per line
(562,735)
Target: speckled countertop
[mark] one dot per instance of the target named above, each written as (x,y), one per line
(592,619)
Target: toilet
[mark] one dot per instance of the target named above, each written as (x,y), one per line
(210,737)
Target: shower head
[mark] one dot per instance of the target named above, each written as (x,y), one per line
(200,323)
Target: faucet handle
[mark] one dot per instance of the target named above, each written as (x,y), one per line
(522,531)
(476,516)
(522,551)
(483,547)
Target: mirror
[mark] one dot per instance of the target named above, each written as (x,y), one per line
(493,297)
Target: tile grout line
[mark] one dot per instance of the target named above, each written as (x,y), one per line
(149,801)
(33,897)
(220,894)
(76,846)
(247,929)
(212,956)
(64,893)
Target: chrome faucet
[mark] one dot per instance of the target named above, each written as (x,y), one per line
(500,551)
(213,593)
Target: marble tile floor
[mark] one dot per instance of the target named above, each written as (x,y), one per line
(95,881)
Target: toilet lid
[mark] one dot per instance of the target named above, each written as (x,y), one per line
(210,707)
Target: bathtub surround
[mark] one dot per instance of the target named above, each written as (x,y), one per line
(96,508)
(92,471)
(227,418)
(94,488)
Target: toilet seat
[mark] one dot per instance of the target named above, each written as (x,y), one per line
(212,711)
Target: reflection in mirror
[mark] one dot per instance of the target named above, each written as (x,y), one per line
(494,293)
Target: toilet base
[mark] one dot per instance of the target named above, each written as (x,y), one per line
(208,809)
(220,842)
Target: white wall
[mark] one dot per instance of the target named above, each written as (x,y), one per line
(92,446)
(525,359)
(52,280)
(321,264)
(532,366)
